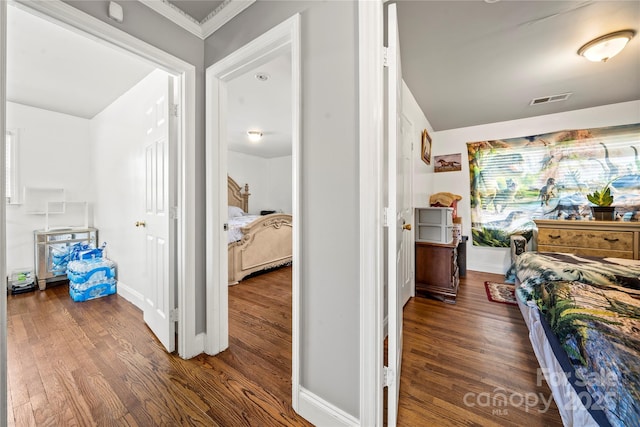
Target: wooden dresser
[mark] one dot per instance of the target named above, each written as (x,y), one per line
(437,270)
(617,239)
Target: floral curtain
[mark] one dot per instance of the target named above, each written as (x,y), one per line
(514,181)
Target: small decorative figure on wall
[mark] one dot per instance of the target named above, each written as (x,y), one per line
(448,162)
(426,147)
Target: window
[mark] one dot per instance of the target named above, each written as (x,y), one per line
(514,181)
(11,168)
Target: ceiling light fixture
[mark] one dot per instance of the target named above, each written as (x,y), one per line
(606,47)
(254,135)
(263,77)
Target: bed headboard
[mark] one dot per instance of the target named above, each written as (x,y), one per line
(236,196)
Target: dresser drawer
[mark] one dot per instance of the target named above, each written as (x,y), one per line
(586,251)
(591,239)
(615,239)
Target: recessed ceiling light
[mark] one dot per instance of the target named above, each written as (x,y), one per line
(263,77)
(491,1)
(606,47)
(254,135)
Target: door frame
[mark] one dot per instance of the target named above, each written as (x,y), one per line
(284,37)
(371,118)
(3,209)
(190,344)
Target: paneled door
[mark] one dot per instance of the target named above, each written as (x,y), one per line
(158,220)
(397,220)
(405,208)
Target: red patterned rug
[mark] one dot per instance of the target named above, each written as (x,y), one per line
(501,292)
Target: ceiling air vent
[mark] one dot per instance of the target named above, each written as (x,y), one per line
(552,98)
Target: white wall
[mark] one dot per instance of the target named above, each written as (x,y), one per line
(497,260)
(151,27)
(269,180)
(422,173)
(329,187)
(117,137)
(280,174)
(54,152)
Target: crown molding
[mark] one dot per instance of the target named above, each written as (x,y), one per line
(175,15)
(225,12)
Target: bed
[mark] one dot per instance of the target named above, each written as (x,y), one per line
(583,315)
(256,242)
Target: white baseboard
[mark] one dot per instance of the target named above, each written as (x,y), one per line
(322,413)
(130,294)
(487,268)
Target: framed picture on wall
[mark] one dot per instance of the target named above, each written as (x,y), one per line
(426,147)
(448,163)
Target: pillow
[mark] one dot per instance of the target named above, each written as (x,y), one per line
(235,212)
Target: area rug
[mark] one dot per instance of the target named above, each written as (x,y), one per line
(501,292)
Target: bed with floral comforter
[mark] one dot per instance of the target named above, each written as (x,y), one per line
(591,307)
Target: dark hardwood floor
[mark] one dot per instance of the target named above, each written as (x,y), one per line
(459,359)
(96,363)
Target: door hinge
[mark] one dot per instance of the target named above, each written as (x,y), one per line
(385,217)
(173,212)
(385,56)
(174,110)
(174,314)
(388,376)
(225,227)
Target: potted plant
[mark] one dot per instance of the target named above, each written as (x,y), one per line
(602,199)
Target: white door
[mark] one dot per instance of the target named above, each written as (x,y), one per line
(405,183)
(397,223)
(157,220)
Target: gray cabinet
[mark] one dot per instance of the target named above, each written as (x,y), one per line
(52,250)
(434,225)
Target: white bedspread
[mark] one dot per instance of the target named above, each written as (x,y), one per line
(235,234)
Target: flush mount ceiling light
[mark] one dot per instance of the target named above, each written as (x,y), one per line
(263,77)
(254,135)
(606,47)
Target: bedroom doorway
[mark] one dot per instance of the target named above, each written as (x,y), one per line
(181,266)
(258,62)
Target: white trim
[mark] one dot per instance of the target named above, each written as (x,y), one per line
(175,15)
(213,22)
(215,269)
(282,38)
(228,10)
(127,292)
(16,198)
(322,413)
(371,73)
(3,235)
(102,32)
(491,267)
(296,165)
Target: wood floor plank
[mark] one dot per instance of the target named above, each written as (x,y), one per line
(97,363)
(456,356)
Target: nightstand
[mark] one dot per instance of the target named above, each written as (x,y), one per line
(437,271)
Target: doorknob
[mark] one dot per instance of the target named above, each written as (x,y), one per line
(406,227)
(141,224)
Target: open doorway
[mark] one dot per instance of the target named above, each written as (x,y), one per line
(84,167)
(259,101)
(279,49)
